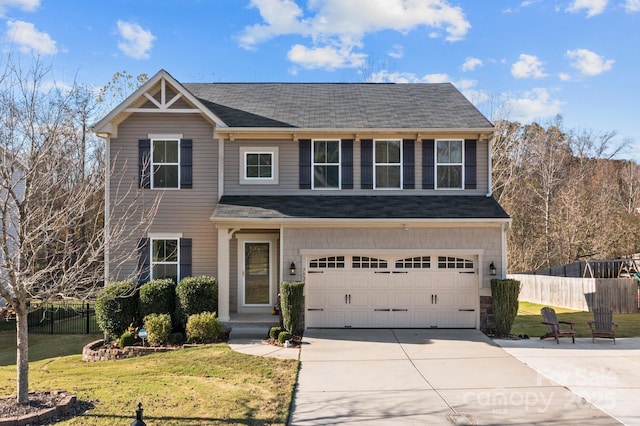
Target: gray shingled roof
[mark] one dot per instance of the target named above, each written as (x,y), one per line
(339,105)
(358,207)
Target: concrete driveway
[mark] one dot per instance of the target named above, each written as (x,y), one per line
(435,377)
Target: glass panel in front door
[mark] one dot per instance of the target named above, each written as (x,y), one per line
(257,274)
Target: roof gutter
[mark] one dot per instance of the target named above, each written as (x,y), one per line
(295,131)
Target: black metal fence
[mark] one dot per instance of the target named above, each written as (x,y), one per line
(66,317)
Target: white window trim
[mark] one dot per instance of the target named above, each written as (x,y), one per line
(376,164)
(435,169)
(160,137)
(339,164)
(273,180)
(159,237)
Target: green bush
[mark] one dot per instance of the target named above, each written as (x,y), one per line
(291,294)
(177,338)
(504,294)
(116,307)
(284,336)
(274,332)
(157,297)
(126,339)
(203,328)
(195,295)
(158,327)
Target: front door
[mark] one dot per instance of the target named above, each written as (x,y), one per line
(257,274)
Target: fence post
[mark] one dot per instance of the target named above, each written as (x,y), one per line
(88,312)
(49,309)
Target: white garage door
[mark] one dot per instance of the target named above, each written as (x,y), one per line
(387,291)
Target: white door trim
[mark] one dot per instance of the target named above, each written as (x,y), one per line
(272,240)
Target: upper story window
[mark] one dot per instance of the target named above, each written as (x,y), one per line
(259,165)
(164,258)
(326,164)
(388,164)
(165,163)
(449,164)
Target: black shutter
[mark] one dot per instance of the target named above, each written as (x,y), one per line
(347,163)
(186,164)
(305,163)
(366,164)
(144,163)
(408,164)
(428,164)
(470,161)
(185,258)
(144,260)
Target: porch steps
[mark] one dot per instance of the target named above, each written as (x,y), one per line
(250,326)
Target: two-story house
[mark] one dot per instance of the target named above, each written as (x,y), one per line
(378,196)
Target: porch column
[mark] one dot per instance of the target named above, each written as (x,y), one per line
(223,274)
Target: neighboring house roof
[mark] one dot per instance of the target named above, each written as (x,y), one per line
(358,207)
(340,105)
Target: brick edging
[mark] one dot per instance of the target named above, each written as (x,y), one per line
(60,410)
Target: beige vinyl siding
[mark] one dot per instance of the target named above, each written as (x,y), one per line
(484,239)
(185,211)
(289,173)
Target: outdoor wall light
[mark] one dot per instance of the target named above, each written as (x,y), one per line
(292,269)
(492,269)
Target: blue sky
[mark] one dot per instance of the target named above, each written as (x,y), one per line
(520,60)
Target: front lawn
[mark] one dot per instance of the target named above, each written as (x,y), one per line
(529,321)
(208,384)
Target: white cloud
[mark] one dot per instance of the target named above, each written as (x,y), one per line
(470,64)
(396,51)
(588,62)
(593,7)
(534,105)
(632,6)
(29,39)
(406,77)
(136,41)
(325,57)
(340,26)
(563,76)
(529,66)
(26,5)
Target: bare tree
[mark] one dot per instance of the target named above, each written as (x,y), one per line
(52,236)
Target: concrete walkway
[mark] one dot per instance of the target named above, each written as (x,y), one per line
(607,376)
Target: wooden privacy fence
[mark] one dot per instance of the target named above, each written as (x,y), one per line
(583,294)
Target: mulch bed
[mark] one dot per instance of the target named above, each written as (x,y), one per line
(43,408)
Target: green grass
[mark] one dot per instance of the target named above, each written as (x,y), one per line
(529,321)
(208,384)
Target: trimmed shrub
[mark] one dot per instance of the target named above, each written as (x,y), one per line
(158,328)
(116,307)
(195,295)
(504,294)
(203,328)
(291,304)
(126,339)
(157,297)
(274,332)
(284,336)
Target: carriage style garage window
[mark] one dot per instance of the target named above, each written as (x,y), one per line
(447,262)
(449,164)
(259,165)
(165,259)
(326,164)
(165,163)
(388,164)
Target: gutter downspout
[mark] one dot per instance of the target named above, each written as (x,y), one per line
(489,168)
